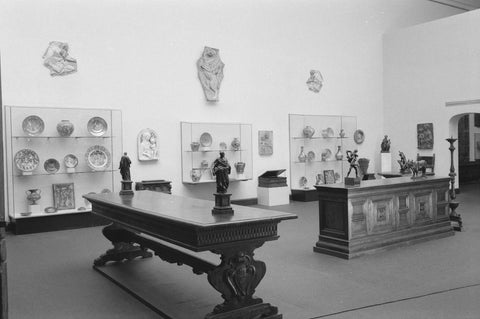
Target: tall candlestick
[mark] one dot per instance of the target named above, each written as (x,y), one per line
(453,204)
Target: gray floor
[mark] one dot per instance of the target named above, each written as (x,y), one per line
(50,276)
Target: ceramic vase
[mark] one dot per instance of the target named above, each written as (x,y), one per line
(308,131)
(196,174)
(319,180)
(195,146)
(65,128)
(363,165)
(342,133)
(240,167)
(236,144)
(33,195)
(339,155)
(302,157)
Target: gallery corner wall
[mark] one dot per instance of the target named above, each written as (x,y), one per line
(431,75)
(139,56)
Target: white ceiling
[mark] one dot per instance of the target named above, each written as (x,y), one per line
(460,4)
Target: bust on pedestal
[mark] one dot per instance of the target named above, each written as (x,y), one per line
(125,172)
(221,169)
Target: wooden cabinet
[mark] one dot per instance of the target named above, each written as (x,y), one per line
(381,214)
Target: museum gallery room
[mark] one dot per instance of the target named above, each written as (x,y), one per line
(250,159)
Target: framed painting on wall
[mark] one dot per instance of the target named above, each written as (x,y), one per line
(63,196)
(425,136)
(265,143)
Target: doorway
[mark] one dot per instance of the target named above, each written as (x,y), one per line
(469,149)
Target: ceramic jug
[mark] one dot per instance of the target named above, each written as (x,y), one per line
(33,195)
(302,157)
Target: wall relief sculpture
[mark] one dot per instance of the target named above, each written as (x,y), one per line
(210,73)
(265,143)
(147,145)
(315,81)
(425,136)
(57,59)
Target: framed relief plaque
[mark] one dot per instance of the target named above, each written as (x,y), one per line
(425,136)
(265,143)
(147,145)
(63,196)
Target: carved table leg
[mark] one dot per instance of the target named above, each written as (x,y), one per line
(236,278)
(123,247)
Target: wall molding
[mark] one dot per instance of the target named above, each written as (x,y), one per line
(464,102)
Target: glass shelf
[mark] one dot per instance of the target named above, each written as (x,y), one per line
(316,137)
(66,173)
(60,137)
(215,150)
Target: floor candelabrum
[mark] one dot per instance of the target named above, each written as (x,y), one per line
(453,204)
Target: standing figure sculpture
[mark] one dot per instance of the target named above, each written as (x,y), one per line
(385,145)
(403,162)
(125,167)
(221,169)
(210,73)
(352,159)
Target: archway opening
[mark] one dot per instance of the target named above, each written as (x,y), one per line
(469,149)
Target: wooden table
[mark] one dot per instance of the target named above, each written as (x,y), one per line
(189,223)
(380,214)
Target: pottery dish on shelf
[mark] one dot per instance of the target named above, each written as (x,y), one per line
(26,160)
(97,126)
(358,136)
(33,125)
(70,161)
(51,165)
(50,210)
(236,144)
(205,139)
(97,157)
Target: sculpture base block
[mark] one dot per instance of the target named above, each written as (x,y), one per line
(70,170)
(386,162)
(126,188)
(34,209)
(350,181)
(222,204)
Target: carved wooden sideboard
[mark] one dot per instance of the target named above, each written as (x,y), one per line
(158,185)
(381,214)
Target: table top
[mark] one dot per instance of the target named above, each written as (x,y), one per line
(186,210)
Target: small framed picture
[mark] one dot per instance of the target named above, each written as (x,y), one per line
(63,196)
(329,176)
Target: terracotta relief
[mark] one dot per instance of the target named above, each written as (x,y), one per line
(147,145)
(57,59)
(210,73)
(425,136)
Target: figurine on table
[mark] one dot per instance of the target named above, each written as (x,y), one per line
(352,159)
(125,167)
(403,162)
(221,169)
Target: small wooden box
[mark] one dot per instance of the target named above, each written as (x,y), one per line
(271,179)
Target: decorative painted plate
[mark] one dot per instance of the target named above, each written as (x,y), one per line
(97,126)
(26,160)
(311,156)
(33,125)
(51,166)
(205,139)
(97,157)
(70,161)
(326,154)
(358,136)
(303,181)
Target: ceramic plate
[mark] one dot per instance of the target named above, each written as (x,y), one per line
(33,125)
(303,181)
(51,166)
(70,161)
(50,210)
(26,160)
(97,157)
(311,156)
(358,136)
(326,154)
(97,126)
(205,139)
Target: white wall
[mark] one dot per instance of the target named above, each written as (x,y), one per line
(427,66)
(139,56)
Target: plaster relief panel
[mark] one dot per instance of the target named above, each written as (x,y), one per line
(210,73)
(57,59)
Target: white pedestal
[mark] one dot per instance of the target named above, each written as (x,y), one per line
(386,161)
(272,196)
(34,209)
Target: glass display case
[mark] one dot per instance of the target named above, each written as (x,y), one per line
(318,145)
(202,143)
(55,155)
